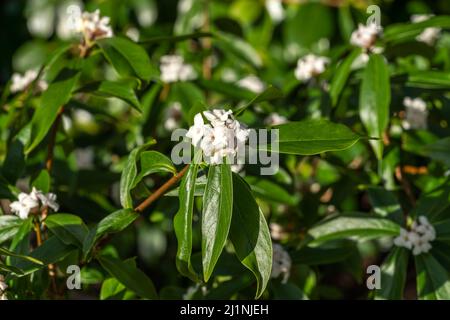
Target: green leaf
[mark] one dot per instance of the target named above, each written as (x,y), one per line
(393,275)
(69,228)
(122,89)
(116,222)
(9,225)
(130,276)
(152,162)
(432,278)
(268,94)
(6,252)
(127,57)
(250,234)
(129,174)
(177,38)
(356,226)
(111,288)
(42,181)
(57,95)
(408,31)
(270,191)
(341,75)
(238,47)
(374,100)
(14,163)
(216,215)
(182,221)
(313,136)
(230,90)
(385,204)
(439,151)
(6,268)
(434,204)
(319,256)
(51,251)
(287,291)
(429,80)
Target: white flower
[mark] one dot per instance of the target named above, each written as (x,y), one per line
(20,83)
(24,205)
(173,116)
(416,113)
(3,287)
(28,202)
(428,35)
(277,232)
(310,66)
(174,69)
(92,26)
(133,34)
(275,10)
(275,119)
(251,83)
(281,263)
(418,238)
(365,36)
(221,137)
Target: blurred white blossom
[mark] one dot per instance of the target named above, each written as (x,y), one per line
(275,10)
(419,238)
(366,36)
(281,262)
(222,137)
(310,66)
(428,35)
(173,116)
(133,34)
(3,287)
(174,69)
(92,26)
(274,119)
(21,82)
(252,83)
(416,113)
(28,202)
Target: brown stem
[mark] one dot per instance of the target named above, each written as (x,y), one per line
(405,185)
(161,190)
(37,229)
(51,143)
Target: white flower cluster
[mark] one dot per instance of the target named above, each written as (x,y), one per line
(310,66)
(366,36)
(252,83)
(20,83)
(281,263)
(416,113)
(174,69)
(428,35)
(222,137)
(274,119)
(92,26)
(29,202)
(419,238)
(3,287)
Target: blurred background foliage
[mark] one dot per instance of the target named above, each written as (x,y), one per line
(99,133)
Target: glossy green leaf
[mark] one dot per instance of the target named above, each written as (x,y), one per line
(216,215)
(69,228)
(129,174)
(354,226)
(341,75)
(152,162)
(14,163)
(250,234)
(429,80)
(8,269)
(182,221)
(130,276)
(439,151)
(6,252)
(123,89)
(433,282)
(313,136)
(238,47)
(42,181)
(385,204)
(393,275)
(374,100)
(116,221)
(270,191)
(56,96)
(127,57)
(9,225)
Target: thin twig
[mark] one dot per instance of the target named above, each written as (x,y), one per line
(161,190)
(37,229)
